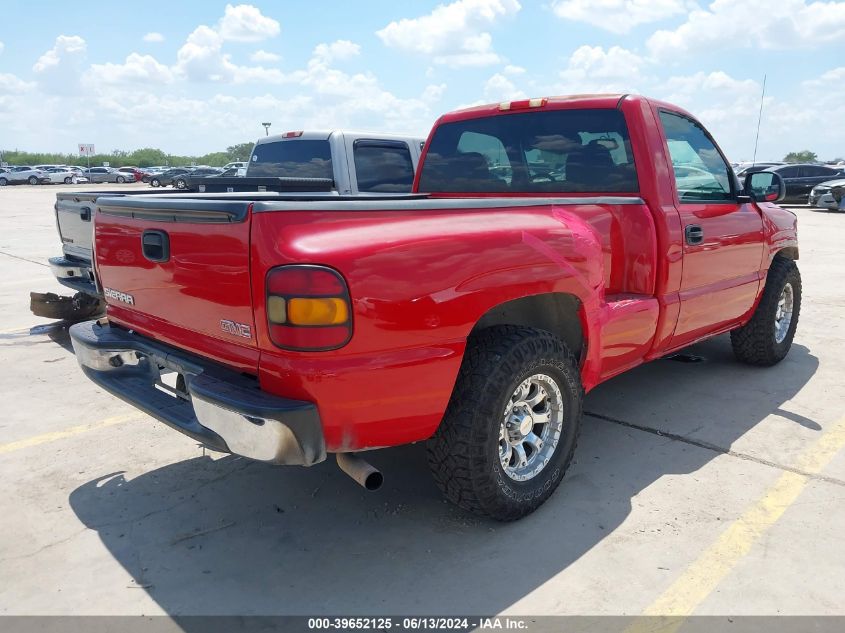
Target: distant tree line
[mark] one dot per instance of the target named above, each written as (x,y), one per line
(145,157)
(806,156)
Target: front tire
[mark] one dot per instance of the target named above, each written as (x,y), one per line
(180,184)
(765,340)
(512,423)
(120,180)
(32,180)
(155,182)
(3,182)
(68,180)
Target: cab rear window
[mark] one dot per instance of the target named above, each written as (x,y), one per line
(556,151)
(291,159)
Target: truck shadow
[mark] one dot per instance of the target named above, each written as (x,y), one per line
(230,536)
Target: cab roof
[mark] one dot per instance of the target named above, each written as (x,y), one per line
(561,102)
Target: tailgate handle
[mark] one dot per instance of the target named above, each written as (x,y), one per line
(155,245)
(85,214)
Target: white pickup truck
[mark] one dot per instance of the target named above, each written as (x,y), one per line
(309,163)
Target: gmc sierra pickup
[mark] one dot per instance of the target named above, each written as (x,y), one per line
(549,245)
(327,163)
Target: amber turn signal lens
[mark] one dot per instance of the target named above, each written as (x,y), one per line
(277,310)
(317,311)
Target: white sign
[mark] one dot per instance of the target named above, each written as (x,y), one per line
(106,164)
(86,149)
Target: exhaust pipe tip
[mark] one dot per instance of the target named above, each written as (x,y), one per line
(364,473)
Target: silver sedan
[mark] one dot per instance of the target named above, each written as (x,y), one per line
(107,174)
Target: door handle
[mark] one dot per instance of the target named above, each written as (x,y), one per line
(694,234)
(155,245)
(85,214)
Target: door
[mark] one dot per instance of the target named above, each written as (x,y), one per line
(792,179)
(723,237)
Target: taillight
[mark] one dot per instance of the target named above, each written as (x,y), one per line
(308,308)
(296,134)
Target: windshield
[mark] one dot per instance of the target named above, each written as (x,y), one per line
(546,151)
(292,159)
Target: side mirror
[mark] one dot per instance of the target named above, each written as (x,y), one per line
(765,186)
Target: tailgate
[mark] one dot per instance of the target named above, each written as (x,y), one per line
(178,270)
(74,212)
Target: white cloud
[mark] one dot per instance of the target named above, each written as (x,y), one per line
(13,85)
(59,69)
(65,46)
(246,23)
(500,88)
(264,57)
(136,68)
(452,34)
(201,57)
(618,16)
(2,46)
(153,37)
(594,69)
(727,24)
(511,69)
(337,51)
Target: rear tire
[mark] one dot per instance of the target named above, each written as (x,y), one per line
(68,180)
(120,180)
(32,180)
(155,182)
(3,182)
(765,340)
(180,184)
(475,457)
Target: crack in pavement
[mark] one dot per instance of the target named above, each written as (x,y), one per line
(715,448)
(24,259)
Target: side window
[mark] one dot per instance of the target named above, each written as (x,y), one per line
(700,172)
(788,172)
(383,166)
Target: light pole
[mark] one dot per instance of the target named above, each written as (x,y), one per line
(267,128)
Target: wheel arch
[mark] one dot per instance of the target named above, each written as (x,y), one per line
(788,252)
(555,312)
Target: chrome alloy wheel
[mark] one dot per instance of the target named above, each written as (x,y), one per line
(783,315)
(531,427)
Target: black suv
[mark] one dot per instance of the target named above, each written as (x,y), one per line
(800,179)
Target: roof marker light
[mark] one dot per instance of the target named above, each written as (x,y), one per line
(292,134)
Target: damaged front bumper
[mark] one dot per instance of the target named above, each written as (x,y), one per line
(219,408)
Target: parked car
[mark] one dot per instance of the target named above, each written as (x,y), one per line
(166,178)
(65,175)
(239,166)
(752,168)
(473,317)
(108,174)
(149,172)
(22,174)
(800,179)
(137,172)
(180,181)
(822,188)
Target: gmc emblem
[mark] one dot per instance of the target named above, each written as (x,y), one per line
(235,329)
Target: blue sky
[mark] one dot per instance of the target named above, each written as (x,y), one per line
(195,76)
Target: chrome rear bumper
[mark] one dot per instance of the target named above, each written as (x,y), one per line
(219,408)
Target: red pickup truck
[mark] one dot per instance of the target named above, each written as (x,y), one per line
(550,244)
